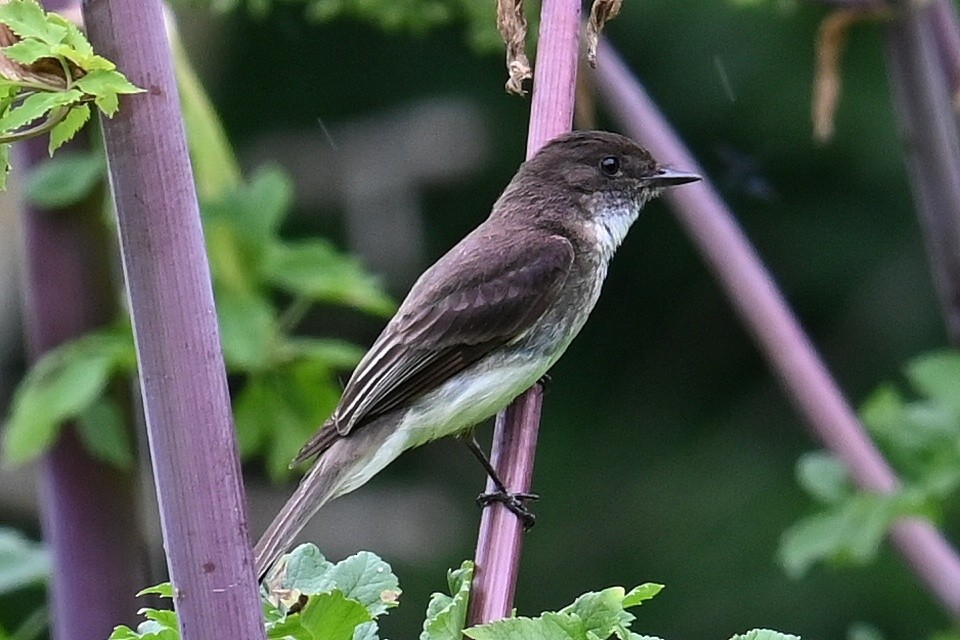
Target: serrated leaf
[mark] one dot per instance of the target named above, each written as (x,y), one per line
(104,433)
(164,590)
(36,106)
(27,19)
(315,270)
(22,562)
(764,634)
(367,631)
(640,594)
(937,376)
(28,51)
(123,632)
(249,330)
(549,626)
(332,616)
(105,85)
(163,617)
(367,579)
(601,613)
(447,614)
(68,127)
(63,383)
(824,477)
(308,571)
(65,180)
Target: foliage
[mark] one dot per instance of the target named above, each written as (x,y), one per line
(50,73)
(920,436)
(307,597)
(286,385)
(415,16)
(22,562)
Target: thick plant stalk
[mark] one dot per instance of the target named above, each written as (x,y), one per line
(920,87)
(88,507)
(768,318)
(182,376)
(515,433)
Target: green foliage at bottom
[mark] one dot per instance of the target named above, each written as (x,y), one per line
(307,597)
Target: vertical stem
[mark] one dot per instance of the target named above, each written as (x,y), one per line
(182,376)
(515,433)
(89,508)
(712,227)
(930,139)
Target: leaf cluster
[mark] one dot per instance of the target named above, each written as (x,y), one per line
(919,434)
(286,384)
(307,597)
(51,73)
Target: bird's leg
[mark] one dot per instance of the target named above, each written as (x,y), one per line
(512,501)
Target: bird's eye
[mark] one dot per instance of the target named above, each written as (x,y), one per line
(610,165)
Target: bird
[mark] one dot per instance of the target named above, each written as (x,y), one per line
(484,323)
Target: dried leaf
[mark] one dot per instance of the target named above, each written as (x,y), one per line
(830,45)
(601,12)
(512,24)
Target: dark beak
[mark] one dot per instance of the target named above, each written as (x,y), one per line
(670,178)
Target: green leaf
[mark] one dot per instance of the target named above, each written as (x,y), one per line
(850,532)
(862,631)
(447,615)
(365,578)
(61,385)
(937,376)
(164,590)
(22,563)
(36,106)
(764,634)
(253,417)
(549,626)
(248,330)
(68,127)
(28,51)
(308,570)
(601,613)
(104,85)
(367,631)
(824,477)
(315,270)
(640,594)
(256,209)
(66,179)
(331,616)
(27,19)
(103,431)
(4,164)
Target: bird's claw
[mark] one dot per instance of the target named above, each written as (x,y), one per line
(514,502)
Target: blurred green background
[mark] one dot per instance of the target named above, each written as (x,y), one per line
(667,448)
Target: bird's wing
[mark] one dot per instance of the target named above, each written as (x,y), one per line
(455,322)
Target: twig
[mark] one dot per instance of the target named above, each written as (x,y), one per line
(515,433)
(748,284)
(182,376)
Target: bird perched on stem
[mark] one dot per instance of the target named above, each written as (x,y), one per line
(484,323)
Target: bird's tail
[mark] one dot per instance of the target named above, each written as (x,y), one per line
(318,487)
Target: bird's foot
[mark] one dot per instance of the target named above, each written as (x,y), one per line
(514,502)
(545,381)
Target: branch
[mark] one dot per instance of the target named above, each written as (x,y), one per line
(182,376)
(713,229)
(515,433)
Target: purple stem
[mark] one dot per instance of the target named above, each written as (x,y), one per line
(515,433)
(182,376)
(714,230)
(946,26)
(85,502)
(931,142)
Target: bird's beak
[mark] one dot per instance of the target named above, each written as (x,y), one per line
(670,178)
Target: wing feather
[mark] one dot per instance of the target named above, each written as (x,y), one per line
(465,306)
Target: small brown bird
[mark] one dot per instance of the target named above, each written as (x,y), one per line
(485,322)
